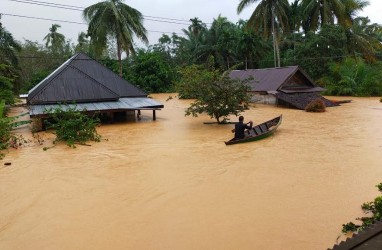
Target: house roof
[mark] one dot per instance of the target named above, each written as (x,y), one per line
(368,239)
(301,99)
(82,79)
(124,103)
(273,79)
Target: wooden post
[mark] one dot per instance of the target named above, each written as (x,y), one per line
(139,114)
(43,126)
(154,115)
(112,117)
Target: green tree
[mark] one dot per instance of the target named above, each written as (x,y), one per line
(83,44)
(219,41)
(361,38)
(152,71)
(55,41)
(320,12)
(8,47)
(116,20)
(216,95)
(270,18)
(72,126)
(250,47)
(35,64)
(6,84)
(353,77)
(317,51)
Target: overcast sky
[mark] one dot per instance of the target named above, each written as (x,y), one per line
(165,10)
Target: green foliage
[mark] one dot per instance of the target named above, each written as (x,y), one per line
(6,84)
(374,208)
(349,227)
(216,95)
(7,124)
(114,20)
(317,51)
(152,71)
(353,77)
(316,105)
(35,63)
(72,126)
(8,47)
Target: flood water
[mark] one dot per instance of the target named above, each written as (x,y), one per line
(173,183)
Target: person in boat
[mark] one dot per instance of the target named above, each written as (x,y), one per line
(241,127)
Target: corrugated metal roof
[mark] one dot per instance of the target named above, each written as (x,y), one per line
(121,104)
(271,79)
(300,100)
(82,79)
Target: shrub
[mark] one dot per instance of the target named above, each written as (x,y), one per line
(72,126)
(373,207)
(7,139)
(316,105)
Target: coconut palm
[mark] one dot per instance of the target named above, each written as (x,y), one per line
(269,17)
(54,40)
(8,47)
(363,38)
(116,20)
(219,42)
(250,46)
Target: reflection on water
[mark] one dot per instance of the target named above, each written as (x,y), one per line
(173,184)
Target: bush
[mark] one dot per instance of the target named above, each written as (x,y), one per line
(72,126)
(316,105)
(373,207)
(7,124)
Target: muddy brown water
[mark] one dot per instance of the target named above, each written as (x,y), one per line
(173,184)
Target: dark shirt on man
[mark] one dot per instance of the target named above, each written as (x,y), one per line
(240,127)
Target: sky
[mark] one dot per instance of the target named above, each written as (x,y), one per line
(164,16)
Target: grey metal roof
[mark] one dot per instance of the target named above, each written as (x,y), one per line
(125,103)
(368,239)
(82,79)
(272,79)
(300,100)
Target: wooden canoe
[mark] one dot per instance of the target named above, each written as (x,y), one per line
(258,132)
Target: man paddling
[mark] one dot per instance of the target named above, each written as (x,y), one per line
(240,128)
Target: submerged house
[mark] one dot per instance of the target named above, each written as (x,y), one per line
(88,85)
(368,239)
(289,86)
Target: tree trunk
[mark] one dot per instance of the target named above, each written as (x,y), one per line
(278,53)
(274,38)
(119,52)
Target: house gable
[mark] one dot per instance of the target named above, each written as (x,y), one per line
(71,85)
(82,79)
(297,81)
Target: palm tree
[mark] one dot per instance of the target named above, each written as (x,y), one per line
(197,26)
(54,40)
(269,17)
(250,46)
(363,37)
(8,47)
(83,43)
(116,20)
(320,12)
(219,42)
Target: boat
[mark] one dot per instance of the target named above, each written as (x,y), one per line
(258,132)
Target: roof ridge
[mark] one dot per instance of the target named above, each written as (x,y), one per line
(114,73)
(42,83)
(74,67)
